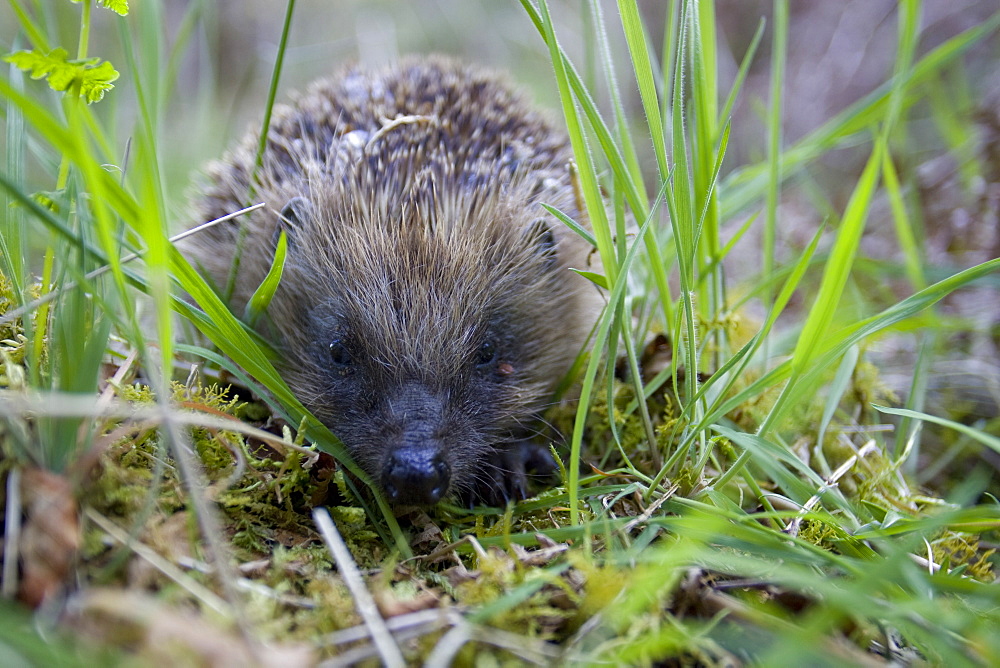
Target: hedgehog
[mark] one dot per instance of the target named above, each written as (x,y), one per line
(426,308)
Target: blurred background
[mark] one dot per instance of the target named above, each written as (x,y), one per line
(837,53)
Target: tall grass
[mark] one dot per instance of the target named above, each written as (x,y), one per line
(719,460)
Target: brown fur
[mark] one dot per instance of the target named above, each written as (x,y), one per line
(420,244)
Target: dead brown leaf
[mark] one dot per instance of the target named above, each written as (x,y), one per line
(50,537)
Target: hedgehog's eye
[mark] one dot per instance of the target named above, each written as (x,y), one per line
(486,353)
(339,354)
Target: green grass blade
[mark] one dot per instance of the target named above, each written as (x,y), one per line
(12,230)
(583,232)
(624,138)
(908,30)
(836,391)
(585,164)
(906,450)
(638,49)
(835,274)
(912,254)
(264,293)
(635,193)
(982,437)
(779,49)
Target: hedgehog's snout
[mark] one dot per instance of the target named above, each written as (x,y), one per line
(416,476)
(416,470)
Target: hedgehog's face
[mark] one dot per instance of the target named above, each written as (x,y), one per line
(428,366)
(421,425)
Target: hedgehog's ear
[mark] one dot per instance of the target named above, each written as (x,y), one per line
(540,237)
(293,217)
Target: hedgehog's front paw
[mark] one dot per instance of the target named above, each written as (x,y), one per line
(515,473)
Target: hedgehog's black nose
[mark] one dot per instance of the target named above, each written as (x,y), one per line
(416,476)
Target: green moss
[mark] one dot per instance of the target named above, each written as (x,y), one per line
(8,330)
(537,615)
(953,550)
(820,533)
(13,343)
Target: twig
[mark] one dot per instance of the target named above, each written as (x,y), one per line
(422,622)
(653,507)
(390,124)
(387,648)
(829,483)
(527,649)
(928,563)
(402,626)
(451,547)
(450,644)
(113,383)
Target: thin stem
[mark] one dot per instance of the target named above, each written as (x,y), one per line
(262,143)
(81,51)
